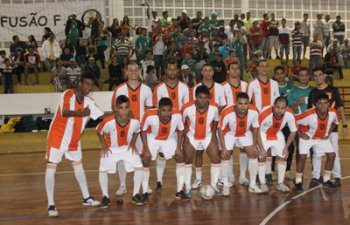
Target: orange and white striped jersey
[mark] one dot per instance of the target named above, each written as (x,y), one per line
(115,134)
(65,132)
(140,98)
(160,130)
(231,122)
(271,126)
(216,94)
(263,95)
(179,95)
(231,91)
(199,124)
(316,128)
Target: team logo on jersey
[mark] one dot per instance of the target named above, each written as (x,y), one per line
(266,91)
(329,95)
(322,126)
(134,98)
(241,123)
(122,134)
(276,125)
(164,130)
(173,95)
(201,120)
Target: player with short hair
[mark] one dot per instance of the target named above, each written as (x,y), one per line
(314,130)
(179,94)
(140,98)
(162,133)
(201,119)
(216,96)
(239,126)
(232,87)
(117,134)
(272,141)
(74,110)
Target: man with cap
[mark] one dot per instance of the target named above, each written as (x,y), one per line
(214,22)
(185,20)
(151,20)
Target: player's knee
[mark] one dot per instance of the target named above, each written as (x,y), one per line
(51,165)
(331,155)
(302,157)
(77,163)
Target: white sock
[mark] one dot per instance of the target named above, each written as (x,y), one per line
(316,166)
(145,179)
(81,178)
(161,163)
(224,171)
(214,174)
(281,166)
(261,169)
(180,176)
(268,165)
(199,173)
(137,180)
(103,178)
(243,162)
(50,182)
(253,169)
(298,177)
(122,173)
(230,168)
(188,176)
(327,175)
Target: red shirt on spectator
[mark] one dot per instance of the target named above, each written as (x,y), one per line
(256,40)
(264,29)
(33,59)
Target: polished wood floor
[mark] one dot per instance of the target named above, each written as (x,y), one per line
(23,198)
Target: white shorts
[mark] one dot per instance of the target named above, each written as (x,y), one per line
(167,147)
(200,145)
(231,140)
(55,155)
(319,146)
(276,146)
(131,160)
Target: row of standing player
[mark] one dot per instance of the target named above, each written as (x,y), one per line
(75,108)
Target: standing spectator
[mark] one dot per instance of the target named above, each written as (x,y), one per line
(32,62)
(197,21)
(147,61)
(331,63)
(114,29)
(18,65)
(205,26)
(126,26)
(185,20)
(165,22)
(122,47)
(255,36)
(158,51)
(264,46)
(172,54)
(326,31)
(102,45)
(115,71)
(73,74)
(93,69)
(248,23)
(74,29)
(339,30)
(219,69)
(315,54)
(305,30)
(7,72)
(17,44)
(80,53)
(273,35)
(59,76)
(32,42)
(95,24)
(50,51)
(152,20)
(214,22)
(345,52)
(47,32)
(284,35)
(142,45)
(318,28)
(297,42)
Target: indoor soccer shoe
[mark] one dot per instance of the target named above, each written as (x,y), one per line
(329,185)
(264,188)
(243,181)
(283,188)
(52,211)
(121,191)
(197,184)
(145,198)
(90,201)
(106,202)
(255,189)
(137,200)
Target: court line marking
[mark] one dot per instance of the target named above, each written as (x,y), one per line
(279,208)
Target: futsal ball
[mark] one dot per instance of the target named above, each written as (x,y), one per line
(207,192)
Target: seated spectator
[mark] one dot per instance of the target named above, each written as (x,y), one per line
(219,69)
(32,42)
(17,44)
(18,65)
(59,76)
(331,63)
(81,53)
(92,68)
(66,57)
(7,72)
(172,53)
(232,58)
(191,63)
(225,49)
(50,51)
(213,54)
(2,59)
(32,63)
(151,77)
(345,52)
(186,77)
(294,70)
(115,71)
(73,72)
(147,61)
